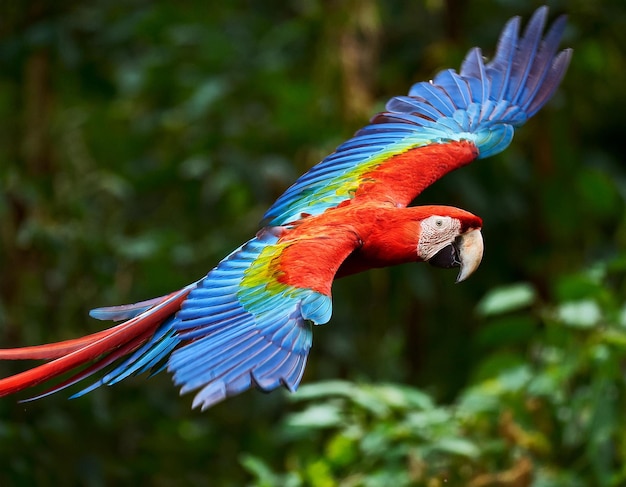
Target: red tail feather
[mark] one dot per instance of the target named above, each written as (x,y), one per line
(97,366)
(116,341)
(53,350)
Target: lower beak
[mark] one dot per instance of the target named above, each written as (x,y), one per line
(466,252)
(470,247)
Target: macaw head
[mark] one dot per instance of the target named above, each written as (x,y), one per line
(450,237)
(444,236)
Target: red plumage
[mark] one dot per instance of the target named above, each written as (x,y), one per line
(405,175)
(116,341)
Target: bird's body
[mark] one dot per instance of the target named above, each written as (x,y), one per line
(248,321)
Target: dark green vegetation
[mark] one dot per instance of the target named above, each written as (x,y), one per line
(142,141)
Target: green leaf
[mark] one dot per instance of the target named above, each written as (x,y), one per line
(316,416)
(614,337)
(457,446)
(259,469)
(515,379)
(477,400)
(377,441)
(579,314)
(495,363)
(506,299)
(341,449)
(376,399)
(321,390)
(403,397)
(427,419)
(319,474)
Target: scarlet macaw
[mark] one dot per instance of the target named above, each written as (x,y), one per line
(248,322)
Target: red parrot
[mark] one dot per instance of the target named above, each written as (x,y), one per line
(248,322)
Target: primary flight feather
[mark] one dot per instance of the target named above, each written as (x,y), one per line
(248,322)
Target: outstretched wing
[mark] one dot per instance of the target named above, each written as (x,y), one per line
(247,325)
(468,115)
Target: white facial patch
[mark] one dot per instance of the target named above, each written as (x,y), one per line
(435,233)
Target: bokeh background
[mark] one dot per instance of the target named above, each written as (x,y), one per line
(141,141)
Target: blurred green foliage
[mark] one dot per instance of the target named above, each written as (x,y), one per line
(544,406)
(141,141)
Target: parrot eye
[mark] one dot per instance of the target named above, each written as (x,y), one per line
(438,223)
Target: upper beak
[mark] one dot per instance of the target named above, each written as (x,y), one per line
(465,252)
(470,248)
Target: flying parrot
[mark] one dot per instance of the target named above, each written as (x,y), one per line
(248,322)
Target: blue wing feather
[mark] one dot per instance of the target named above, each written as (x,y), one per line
(431,94)
(237,336)
(125,311)
(407,104)
(527,51)
(148,356)
(499,69)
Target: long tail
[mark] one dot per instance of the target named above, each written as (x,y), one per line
(237,328)
(147,323)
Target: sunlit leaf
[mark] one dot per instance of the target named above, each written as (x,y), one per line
(428,419)
(364,396)
(316,416)
(319,474)
(263,474)
(456,446)
(342,449)
(477,400)
(514,379)
(405,397)
(377,441)
(505,299)
(579,314)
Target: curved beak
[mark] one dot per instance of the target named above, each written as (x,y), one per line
(465,252)
(470,250)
